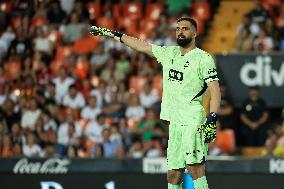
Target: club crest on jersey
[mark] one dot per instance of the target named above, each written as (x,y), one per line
(186,65)
(176,75)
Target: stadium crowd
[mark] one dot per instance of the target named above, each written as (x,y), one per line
(66,93)
(262,29)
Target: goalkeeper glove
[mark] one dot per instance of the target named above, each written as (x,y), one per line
(94,30)
(209,128)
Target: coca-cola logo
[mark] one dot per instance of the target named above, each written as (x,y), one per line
(49,166)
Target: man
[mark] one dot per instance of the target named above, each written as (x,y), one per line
(187,72)
(254,116)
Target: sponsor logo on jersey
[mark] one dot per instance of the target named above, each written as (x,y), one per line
(175,75)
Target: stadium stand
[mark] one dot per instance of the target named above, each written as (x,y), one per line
(51,70)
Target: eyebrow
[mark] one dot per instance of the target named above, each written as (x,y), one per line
(183,27)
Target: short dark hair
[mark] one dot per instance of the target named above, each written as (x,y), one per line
(191,20)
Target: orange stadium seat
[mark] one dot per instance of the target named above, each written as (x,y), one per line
(116,10)
(63,51)
(106,22)
(6,7)
(136,84)
(82,67)
(85,45)
(200,25)
(154,10)
(279,21)
(94,10)
(130,25)
(147,25)
(55,66)
(201,10)
(39,21)
(133,10)
(226,140)
(271,2)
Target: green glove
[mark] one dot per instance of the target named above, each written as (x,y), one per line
(209,128)
(94,30)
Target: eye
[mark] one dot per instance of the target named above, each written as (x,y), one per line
(185,28)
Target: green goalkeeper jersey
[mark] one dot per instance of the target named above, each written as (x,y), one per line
(185,79)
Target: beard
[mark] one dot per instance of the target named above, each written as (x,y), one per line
(183,42)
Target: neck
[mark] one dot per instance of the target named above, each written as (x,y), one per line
(187,48)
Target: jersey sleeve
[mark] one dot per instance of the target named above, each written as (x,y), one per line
(161,53)
(208,69)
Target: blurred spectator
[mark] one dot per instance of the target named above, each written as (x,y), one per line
(136,150)
(245,41)
(3,130)
(99,93)
(72,31)
(48,122)
(125,131)
(115,135)
(113,109)
(9,113)
(107,148)
(153,148)
(67,5)
(99,57)
(6,94)
(49,151)
(17,150)
(74,99)
(44,137)
(62,84)
(247,24)
(122,93)
(122,66)
(275,142)
(92,110)
(5,40)
(81,10)
(254,116)
(134,109)
(55,14)
(226,110)
(50,93)
(17,134)
(148,97)
(150,127)
(30,115)
(67,134)
(31,149)
(258,14)
(41,42)
(263,42)
(93,130)
(6,149)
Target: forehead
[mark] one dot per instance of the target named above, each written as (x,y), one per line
(184,23)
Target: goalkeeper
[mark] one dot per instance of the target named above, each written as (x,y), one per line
(187,72)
